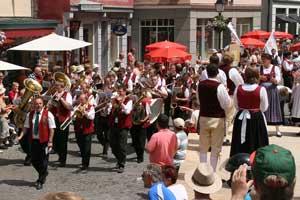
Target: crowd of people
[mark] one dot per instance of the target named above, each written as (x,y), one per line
(142,100)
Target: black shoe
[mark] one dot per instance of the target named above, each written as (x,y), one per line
(140,160)
(27,161)
(120,170)
(298,134)
(62,164)
(84,169)
(3,147)
(39,186)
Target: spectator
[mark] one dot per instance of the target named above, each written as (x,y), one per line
(61,196)
(203,181)
(274,172)
(163,144)
(182,141)
(169,177)
(152,179)
(13,93)
(37,74)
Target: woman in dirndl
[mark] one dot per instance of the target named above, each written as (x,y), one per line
(270,76)
(295,99)
(249,128)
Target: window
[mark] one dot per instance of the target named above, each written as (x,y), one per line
(243,25)
(280,24)
(155,30)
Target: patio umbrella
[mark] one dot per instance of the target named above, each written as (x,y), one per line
(169,55)
(51,42)
(257,34)
(5,66)
(295,47)
(165,44)
(252,43)
(278,34)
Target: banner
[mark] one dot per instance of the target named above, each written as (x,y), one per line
(234,36)
(271,44)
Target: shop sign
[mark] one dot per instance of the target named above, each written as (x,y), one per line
(119,30)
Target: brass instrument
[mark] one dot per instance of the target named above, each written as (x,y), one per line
(32,88)
(52,92)
(138,110)
(77,112)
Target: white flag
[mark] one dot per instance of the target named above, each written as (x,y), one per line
(271,44)
(234,36)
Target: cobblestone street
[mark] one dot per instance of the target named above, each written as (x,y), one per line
(101,182)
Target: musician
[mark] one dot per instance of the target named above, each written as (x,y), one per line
(287,68)
(159,89)
(214,101)
(120,124)
(180,98)
(40,125)
(101,118)
(61,112)
(137,71)
(123,78)
(138,131)
(84,128)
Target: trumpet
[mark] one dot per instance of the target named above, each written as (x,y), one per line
(54,100)
(78,112)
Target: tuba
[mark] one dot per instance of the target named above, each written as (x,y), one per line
(32,88)
(138,111)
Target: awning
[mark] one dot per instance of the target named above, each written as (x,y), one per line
(27,32)
(286,19)
(295,17)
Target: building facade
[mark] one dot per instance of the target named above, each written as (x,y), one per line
(97,21)
(184,21)
(281,15)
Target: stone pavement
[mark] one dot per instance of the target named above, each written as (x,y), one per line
(289,141)
(101,182)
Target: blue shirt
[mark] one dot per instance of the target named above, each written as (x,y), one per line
(159,191)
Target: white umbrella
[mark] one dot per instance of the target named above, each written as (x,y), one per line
(4,66)
(51,42)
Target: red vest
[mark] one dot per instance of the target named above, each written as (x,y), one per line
(249,100)
(84,125)
(133,77)
(209,103)
(230,84)
(43,128)
(61,113)
(126,81)
(284,71)
(124,121)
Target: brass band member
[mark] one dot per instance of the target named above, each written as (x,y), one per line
(40,125)
(120,124)
(84,128)
(61,112)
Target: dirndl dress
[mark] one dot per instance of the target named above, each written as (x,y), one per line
(273,113)
(249,128)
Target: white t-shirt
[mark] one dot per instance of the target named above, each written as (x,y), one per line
(179,191)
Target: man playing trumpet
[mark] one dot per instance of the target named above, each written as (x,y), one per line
(84,128)
(120,124)
(61,112)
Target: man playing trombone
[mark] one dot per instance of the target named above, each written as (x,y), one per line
(84,128)
(61,111)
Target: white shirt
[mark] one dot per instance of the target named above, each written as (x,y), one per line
(129,83)
(264,104)
(235,77)
(286,66)
(126,110)
(276,70)
(179,191)
(91,113)
(194,118)
(221,76)
(51,122)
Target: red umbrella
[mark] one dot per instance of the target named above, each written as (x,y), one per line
(252,43)
(278,34)
(295,47)
(165,44)
(257,34)
(170,55)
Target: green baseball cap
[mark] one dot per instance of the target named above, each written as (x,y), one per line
(273,160)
